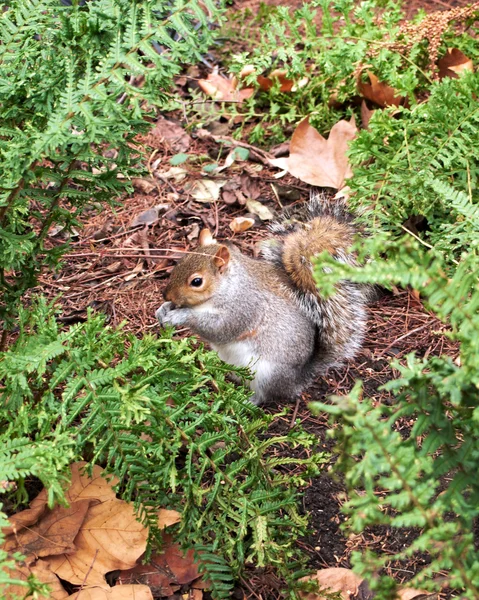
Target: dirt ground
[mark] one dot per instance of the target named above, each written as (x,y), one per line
(122,271)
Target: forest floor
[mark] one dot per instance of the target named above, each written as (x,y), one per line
(121,268)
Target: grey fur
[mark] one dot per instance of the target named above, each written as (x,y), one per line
(288,336)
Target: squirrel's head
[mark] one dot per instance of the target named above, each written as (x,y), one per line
(196,277)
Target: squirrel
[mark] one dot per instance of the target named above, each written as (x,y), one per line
(267,313)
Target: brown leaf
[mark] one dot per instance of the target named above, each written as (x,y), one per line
(275,77)
(53,534)
(318,161)
(168,517)
(147,217)
(144,184)
(29,516)
(165,572)
(228,197)
(111,538)
(224,90)
(453,63)
(263,212)
(250,186)
(239,224)
(280,150)
(345,581)
(410,594)
(366,114)
(96,487)
(43,573)
(171,133)
(379,92)
(119,592)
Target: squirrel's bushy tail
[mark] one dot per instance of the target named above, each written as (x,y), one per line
(322,225)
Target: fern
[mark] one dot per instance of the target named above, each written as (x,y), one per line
(203,454)
(66,97)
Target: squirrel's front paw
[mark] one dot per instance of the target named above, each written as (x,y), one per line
(167,314)
(164,313)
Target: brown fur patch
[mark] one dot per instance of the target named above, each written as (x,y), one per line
(319,235)
(247,335)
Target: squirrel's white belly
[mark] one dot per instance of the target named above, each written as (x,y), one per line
(240,353)
(243,354)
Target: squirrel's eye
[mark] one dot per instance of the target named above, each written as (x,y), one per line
(196,282)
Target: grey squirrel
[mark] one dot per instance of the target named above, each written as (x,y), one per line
(268,313)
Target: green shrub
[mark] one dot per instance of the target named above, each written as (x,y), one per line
(425,477)
(423,163)
(160,415)
(335,51)
(70,108)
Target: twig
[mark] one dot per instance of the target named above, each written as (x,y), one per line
(295,413)
(262,155)
(402,337)
(3,340)
(87,573)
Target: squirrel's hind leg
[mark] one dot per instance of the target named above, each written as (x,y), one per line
(275,382)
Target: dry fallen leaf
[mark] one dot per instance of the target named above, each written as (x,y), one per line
(366,114)
(148,217)
(168,517)
(379,92)
(54,533)
(43,573)
(111,538)
(453,63)
(239,224)
(144,184)
(177,174)
(410,594)
(250,186)
(29,516)
(345,581)
(205,190)
(165,572)
(259,209)
(223,89)
(169,132)
(119,592)
(318,161)
(277,76)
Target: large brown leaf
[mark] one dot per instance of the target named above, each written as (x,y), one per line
(81,487)
(119,592)
(43,573)
(28,517)
(111,538)
(96,487)
(53,534)
(318,161)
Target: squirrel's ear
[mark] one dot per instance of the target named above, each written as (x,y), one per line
(222,258)
(206,238)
